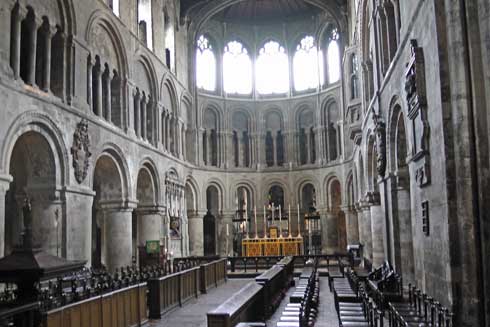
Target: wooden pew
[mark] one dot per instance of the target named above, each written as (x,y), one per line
(212,274)
(275,282)
(123,308)
(245,305)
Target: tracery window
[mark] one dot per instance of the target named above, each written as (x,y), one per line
(237,69)
(272,69)
(114,5)
(333,57)
(205,65)
(306,65)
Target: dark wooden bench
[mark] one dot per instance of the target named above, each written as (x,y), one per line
(245,305)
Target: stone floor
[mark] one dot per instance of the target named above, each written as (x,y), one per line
(193,313)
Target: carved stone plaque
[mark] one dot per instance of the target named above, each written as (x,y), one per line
(80,151)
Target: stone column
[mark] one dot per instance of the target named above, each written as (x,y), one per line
(367,234)
(108,101)
(352,225)
(196,237)
(137,124)
(377,227)
(149,224)
(4,186)
(144,132)
(308,146)
(330,236)
(32,47)
(167,131)
(117,236)
(15,46)
(98,96)
(78,206)
(274,148)
(46,78)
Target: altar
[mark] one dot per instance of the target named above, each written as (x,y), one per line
(280,246)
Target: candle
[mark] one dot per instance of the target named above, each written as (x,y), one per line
(227,230)
(299,224)
(289,219)
(255,221)
(280,222)
(265,224)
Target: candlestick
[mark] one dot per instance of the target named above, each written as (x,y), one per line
(255,221)
(227,230)
(280,222)
(299,224)
(265,224)
(289,220)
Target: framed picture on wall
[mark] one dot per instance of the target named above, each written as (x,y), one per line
(174,227)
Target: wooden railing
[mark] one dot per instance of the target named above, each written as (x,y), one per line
(249,264)
(168,292)
(165,293)
(123,308)
(25,315)
(213,274)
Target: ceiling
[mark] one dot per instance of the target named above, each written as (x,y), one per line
(266,10)
(257,11)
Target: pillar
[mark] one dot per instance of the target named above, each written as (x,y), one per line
(117,237)
(137,124)
(274,148)
(330,236)
(377,231)
(196,237)
(108,100)
(4,186)
(89,82)
(308,146)
(46,78)
(31,60)
(144,132)
(149,225)
(78,206)
(98,96)
(15,46)
(367,234)
(352,225)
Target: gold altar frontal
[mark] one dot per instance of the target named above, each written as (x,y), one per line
(280,246)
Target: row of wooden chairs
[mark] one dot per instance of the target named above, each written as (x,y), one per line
(302,309)
(420,310)
(353,305)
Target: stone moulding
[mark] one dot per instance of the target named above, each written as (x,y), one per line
(416,92)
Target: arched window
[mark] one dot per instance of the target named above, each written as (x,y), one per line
(306,65)
(272,69)
(144,23)
(205,65)
(237,69)
(333,58)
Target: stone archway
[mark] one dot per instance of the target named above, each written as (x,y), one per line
(147,219)
(33,168)
(111,217)
(209,224)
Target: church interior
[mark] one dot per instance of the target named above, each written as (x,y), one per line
(250,163)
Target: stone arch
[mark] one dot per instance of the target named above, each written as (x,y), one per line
(350,194)
(372,172)
(192,195)
(331,183)
(149,186)
(330,115)
(286,194)
(219,187)
(115,152)
(103,20)
(168,96)
(305,124)
(34,172)
(246,184)
(44,125)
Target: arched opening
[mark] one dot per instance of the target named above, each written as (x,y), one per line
(210,137)
(402,215)
(32,166)
(331,131)
(212,206)
(338,214)
(111,222)
(274,140)
(241,139)
(147,222)
(307,137)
